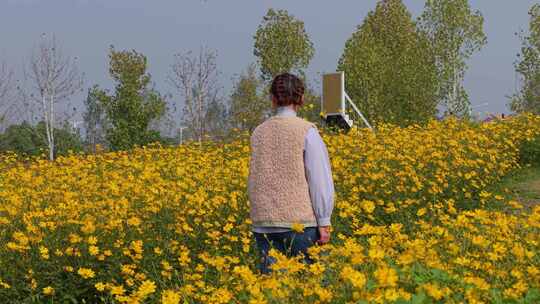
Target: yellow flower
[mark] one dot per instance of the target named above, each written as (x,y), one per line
(93,250)
(391,294)
(92,240)
(134,221)
(316,268)
(117,290)
(4,284)
(86,273)
(137,246)
(479,282)
(515,205)
(100,286)
(434,290)
(246,274)
(44,252)
(74,238)
(221,295)
(297,227)
(356,278)
(170,297)
(178,212)
(386,276)
(376,253)
(68,268)
(146,288)
(48,290)
(325,295)
(368,206)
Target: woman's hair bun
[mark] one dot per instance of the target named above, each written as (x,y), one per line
(288,89)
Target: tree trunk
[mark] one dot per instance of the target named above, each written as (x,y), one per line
(46,121)
(200,117)
(51,127)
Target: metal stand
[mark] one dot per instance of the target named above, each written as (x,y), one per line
(358,111)
(334,102)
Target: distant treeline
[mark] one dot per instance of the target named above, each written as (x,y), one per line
(398,70)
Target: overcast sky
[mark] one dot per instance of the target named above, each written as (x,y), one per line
(160,28)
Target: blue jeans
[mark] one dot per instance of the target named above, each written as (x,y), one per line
(289,243)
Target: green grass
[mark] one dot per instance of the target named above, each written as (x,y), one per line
(523,185)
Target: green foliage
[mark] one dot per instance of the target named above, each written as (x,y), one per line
(282,44)
(249,103)
(522,185)
(66,139)
(312,105)
(528,99)
(390,68)
(216,119)
(22,139)
(94,119)
(168,141)
(455,32)
(28,140)
(134,105)
(529,152)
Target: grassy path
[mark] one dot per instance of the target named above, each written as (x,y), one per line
(524,185)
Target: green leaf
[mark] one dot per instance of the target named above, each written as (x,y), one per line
(532,296)
(281,33)
(419,298)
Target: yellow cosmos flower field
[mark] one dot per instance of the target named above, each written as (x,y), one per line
(414,221)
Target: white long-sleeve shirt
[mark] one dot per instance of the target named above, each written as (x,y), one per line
(318,176)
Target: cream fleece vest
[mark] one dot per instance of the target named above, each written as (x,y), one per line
(277,187)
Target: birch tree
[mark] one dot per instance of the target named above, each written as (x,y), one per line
(54,78)
(195,77)
(6,94)
(456,32)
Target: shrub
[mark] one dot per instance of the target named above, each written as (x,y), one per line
(22,139)
(28,140)
(530,152)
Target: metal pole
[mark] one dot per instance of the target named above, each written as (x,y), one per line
(75,123)
(358,111)
(181,139)
(181,135)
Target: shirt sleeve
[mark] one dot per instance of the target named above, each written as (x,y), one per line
(319,177)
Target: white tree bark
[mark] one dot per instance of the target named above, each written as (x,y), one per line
(195,78)
(6,94)
(55,78)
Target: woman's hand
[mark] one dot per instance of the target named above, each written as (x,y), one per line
(324,231)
